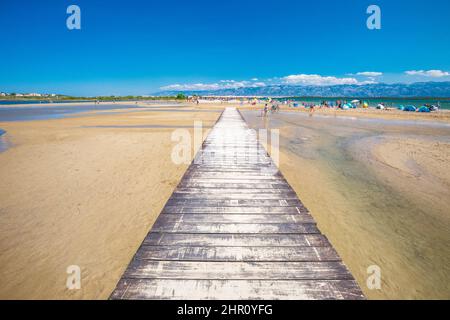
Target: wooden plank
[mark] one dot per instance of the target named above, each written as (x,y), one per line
(234,151)
(235,210)
(250,182)
(232,161)
(237,170)
(236,240)
(231,167)
(142,269)
(235,218)
(234,203)
(160,289)
(187,184)
(275,228)
(192,253)
(227,176)
(234,175)
(212,191)
(233,196)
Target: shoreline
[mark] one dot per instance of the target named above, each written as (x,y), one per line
(131,102)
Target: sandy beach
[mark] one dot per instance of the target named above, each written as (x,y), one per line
(83,191)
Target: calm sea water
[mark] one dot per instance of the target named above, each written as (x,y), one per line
(3,102)
(55,112)
(15,102)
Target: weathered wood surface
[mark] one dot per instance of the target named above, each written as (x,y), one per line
(179,289)
(235,229)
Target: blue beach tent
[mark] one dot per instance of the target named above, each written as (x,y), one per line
(424,109)
(410,109)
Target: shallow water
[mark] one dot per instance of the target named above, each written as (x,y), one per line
(3,142)
(38,102)
(369,213)
(14,102)
(54,112)
(57,112)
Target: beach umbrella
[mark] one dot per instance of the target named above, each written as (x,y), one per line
(355,101)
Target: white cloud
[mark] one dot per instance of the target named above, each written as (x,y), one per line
(254,79)
(258,84)
(370,81)
(317,80)
(222,84)
(194,86)
(429,73)
(370,74)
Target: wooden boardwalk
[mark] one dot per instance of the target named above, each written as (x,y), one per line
(235,229)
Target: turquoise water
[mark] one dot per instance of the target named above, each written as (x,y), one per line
(389,102)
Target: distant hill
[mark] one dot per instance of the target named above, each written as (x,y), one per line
(418,89)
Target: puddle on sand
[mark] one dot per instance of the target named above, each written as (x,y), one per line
(4,144)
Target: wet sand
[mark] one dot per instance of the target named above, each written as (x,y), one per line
(379,190)
(83,190)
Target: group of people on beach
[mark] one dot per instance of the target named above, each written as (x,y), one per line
(273,109)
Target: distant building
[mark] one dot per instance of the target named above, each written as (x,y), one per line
(33,95)
(19,95)
(3,94)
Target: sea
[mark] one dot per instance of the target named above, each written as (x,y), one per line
(13,102)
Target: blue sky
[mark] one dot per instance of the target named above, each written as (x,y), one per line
(137,47)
